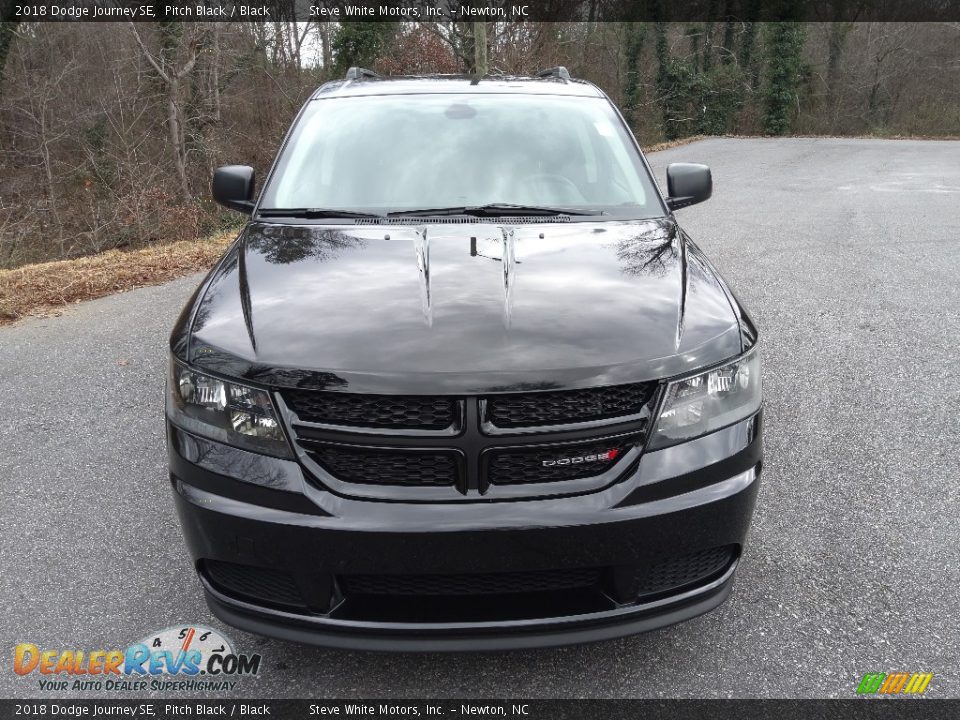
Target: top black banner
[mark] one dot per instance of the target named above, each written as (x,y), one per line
(481,10)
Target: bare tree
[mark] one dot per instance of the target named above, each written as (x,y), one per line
(172,75)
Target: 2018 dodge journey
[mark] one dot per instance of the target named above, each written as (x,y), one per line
(463,382)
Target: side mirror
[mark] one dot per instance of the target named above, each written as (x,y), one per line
(233,187)
(688,184)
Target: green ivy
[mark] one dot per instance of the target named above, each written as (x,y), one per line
(785,72)
(698,97)
(360,43)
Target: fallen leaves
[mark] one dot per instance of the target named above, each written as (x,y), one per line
(45,287)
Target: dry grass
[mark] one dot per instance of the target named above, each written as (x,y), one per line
(672,143)
(46,288)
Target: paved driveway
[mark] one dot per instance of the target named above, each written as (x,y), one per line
(848,254)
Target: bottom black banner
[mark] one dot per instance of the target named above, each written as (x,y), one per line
(520,709)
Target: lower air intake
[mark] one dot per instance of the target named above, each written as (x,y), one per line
(475,584)
(691,569)
(254,583)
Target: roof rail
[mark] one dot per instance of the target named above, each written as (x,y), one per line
(356,73)
(558,72)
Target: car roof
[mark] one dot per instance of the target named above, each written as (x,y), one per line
(456,84)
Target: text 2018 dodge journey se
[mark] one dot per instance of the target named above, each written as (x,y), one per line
(462,382)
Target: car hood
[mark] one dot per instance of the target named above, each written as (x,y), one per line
(460,307)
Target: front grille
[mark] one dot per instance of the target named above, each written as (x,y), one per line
(570,462)
(437,448)
(568,406)
(475,584)
(401,412)
(689,569)
(247,581)
(408,468)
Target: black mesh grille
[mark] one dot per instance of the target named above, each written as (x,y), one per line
(413,468)
(262,584)
(569,406)
(479,584)
(685,570)
(383,411)
(518,467)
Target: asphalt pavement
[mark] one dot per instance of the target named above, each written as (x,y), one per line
(847,253)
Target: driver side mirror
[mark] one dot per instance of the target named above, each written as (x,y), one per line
(688,184)
(233,187)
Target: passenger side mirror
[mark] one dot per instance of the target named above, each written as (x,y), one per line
(233,187)
(688,184)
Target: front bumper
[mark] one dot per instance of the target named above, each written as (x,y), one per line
(679,503)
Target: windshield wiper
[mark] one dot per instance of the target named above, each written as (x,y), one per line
(494,210)
(315,213)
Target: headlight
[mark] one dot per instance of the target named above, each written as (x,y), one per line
(228,412)
(703,403)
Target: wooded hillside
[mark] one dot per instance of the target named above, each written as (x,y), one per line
(109,132)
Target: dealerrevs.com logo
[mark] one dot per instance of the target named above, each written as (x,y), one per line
(181,657)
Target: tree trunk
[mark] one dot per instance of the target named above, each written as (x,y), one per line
(326,51)
(479,50)
(635,34)
(748,44)
(215,74)
(838,38)
(7,31)
(170,39)
(729,26)
(52,198)
(177,139)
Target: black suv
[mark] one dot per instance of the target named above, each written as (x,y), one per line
(462,382)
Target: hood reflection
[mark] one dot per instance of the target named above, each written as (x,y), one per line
(653,252)
(284,244)
(402,308)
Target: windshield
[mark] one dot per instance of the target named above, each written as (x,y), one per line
(410,152)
